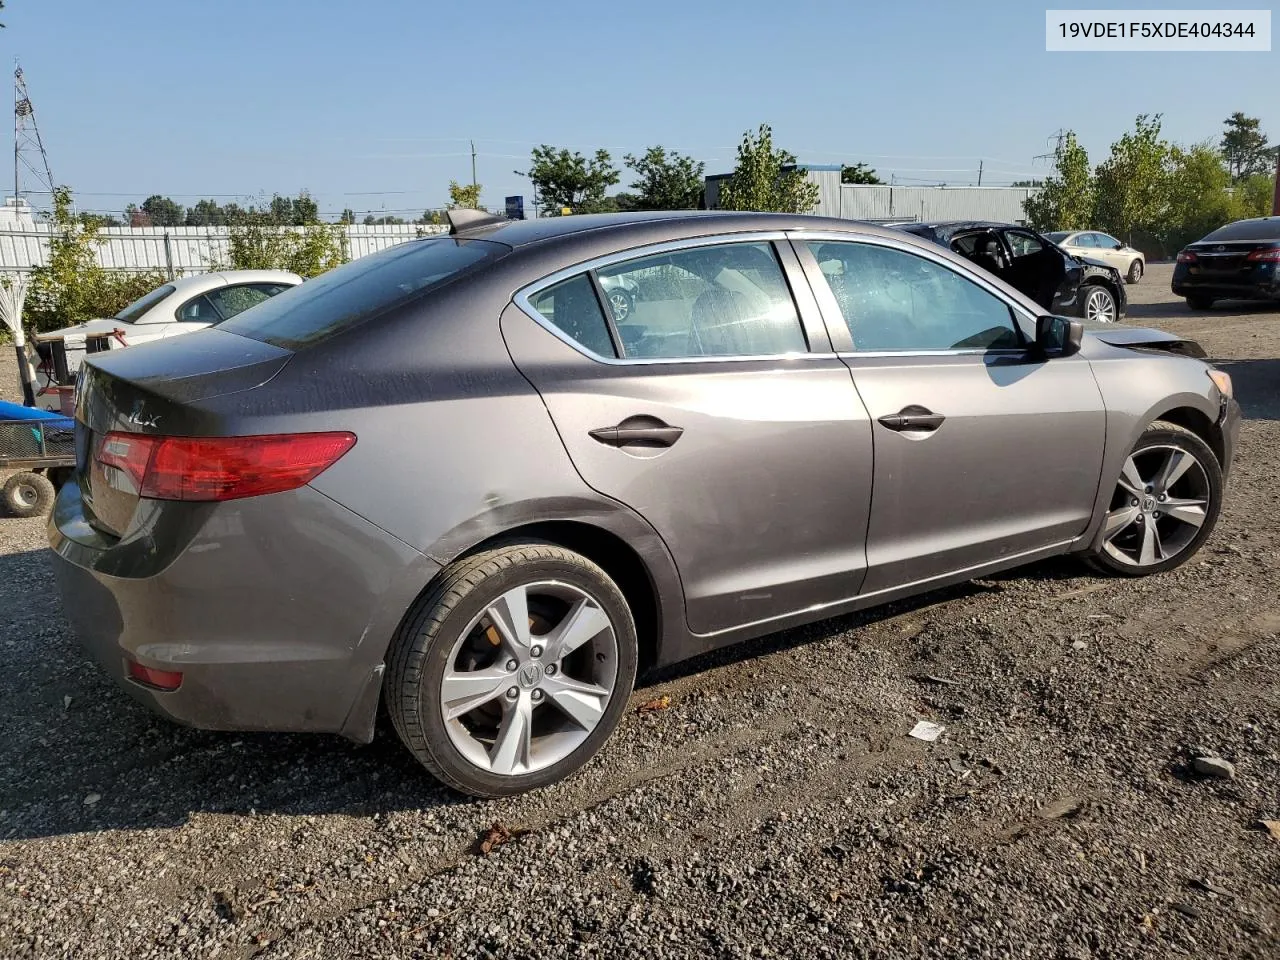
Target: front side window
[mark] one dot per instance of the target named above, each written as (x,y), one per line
(726,300)
(1023,244)
(892,300)
(1106,241)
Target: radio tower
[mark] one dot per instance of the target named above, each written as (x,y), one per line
(27,144)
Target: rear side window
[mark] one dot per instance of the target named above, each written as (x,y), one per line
(199,310)
(237,299)
(572,308)
(349,295)
(727,300)
(1264,229)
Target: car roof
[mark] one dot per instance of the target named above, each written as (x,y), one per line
(221,278)
(518,233)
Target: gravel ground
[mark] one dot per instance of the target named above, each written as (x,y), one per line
(776,808)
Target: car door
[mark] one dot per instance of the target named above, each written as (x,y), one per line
(1034,266)
(714,407)
(983,452)
(1110,251)
(1081,245)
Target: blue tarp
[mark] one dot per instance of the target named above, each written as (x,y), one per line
(16,411)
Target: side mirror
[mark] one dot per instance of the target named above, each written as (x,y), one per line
(1058,336)
(1119,245)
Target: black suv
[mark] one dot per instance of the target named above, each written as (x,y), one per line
(1240,261)
(1027,261)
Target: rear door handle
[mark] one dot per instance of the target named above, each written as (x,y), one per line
(913,417)
(639,430)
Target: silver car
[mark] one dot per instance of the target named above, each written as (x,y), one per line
(449,477)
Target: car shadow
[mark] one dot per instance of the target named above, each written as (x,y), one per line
(77,753)
(1178,309)
(1257,386)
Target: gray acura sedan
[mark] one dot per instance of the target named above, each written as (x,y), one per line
(451,478)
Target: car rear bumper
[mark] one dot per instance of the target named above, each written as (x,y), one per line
(277,612)
(1259,287)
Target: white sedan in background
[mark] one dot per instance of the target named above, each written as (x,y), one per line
(179,306)
(1096,245)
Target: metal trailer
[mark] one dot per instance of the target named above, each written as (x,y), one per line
(40,445)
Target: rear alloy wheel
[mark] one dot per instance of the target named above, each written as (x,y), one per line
(514,670)
(1135,272)
(1199,302)
(1165,503)
(1099,304)
(28,494)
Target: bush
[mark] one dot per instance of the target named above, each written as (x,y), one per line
(72,287)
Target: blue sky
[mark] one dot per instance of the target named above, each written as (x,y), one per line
(368,105)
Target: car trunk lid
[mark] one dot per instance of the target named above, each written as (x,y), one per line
(1227,258)
(154,389)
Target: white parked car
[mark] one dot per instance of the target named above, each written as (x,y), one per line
(179,306)
(1095,245)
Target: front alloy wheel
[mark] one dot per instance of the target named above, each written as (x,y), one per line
(513,671)
(1099,305)
(1164,505)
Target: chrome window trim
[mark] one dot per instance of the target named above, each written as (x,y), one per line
(1018,310)
(522,298)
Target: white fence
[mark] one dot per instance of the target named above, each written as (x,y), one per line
(176,250)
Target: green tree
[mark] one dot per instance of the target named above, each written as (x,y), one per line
(1133,184)
(766,179)
(464,196)
(206,213)
(1065,200)
(1200,196)
(286,235)
(1254,195)
(565,179)
(665,181)
(859,173)
(348,216)
(371,221)
(72,287)
(1244,147)
(163,212)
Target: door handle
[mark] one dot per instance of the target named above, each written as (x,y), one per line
(646,431)
(913,417)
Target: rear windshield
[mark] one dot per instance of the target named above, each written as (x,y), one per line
(140,306)
(351,294)
(1267,228)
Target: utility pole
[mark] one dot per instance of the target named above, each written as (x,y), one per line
(979,173)
(473,171)
(1275,202)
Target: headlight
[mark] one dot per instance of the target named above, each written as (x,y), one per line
(1222,380)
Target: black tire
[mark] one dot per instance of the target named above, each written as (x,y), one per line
(1199,302)
(420,654)
(1135,272)
(1091,291)
(1161,434)
(28,494)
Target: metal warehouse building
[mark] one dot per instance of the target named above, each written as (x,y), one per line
(885,202)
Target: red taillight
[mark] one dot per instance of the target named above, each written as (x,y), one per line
(1186,256)
(167,680)
(1265,255)
(221,468)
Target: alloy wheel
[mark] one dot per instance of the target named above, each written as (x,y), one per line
(1160,503)
(620,304)
(530,678)
(1099,306)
